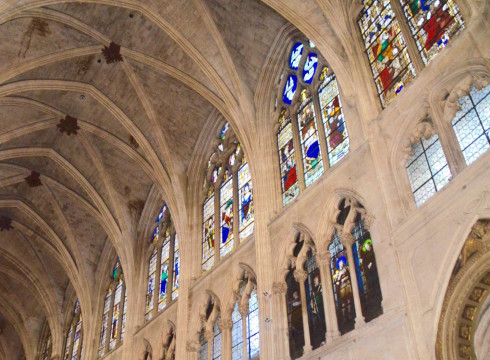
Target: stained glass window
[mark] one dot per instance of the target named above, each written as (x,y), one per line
(367,272)
(73,344)
(472,123)
(105,319)
(227,174)
(314,302)
(46,347)
(295,317)
(164,270)
(432,23)
(253,344)
(216,351)
(151,285)
(208,234)
(203,348)
(176,274)
(287,160)
(303,72)
(333,117)
(123,325)
(386,49)
(427,169)
(115,315)
(310,145)
(342,286)
(236,334)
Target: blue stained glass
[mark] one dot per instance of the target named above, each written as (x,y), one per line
(290,89)
(162,212)
(295,56)
(224,130)
(309,68)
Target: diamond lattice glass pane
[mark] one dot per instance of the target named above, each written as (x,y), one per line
(478,95)
(424,193)
(483,110)
(418,172)
(468,129)
(417,149)
(428,142)
(465,104)
(475,150)
(442,178)
(436,157)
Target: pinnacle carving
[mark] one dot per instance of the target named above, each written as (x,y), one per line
(5,223)
(112,53)
(34,179)
(69,125)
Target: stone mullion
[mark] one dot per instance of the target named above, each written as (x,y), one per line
(217,224)
(298,151)
(413,52)
(210,338)
(226,326)
(348,240)
(236,209)
(300,277)
(170,279)
(121,310)
(243,310)
(321,130)
(156,294)
(323,260)
(109,321)
(281,314)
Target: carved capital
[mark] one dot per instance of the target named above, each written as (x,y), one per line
(225,324)
(279,287)
(323,257)
(300,275)
(347,239)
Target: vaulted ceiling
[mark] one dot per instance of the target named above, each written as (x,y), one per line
(139,119)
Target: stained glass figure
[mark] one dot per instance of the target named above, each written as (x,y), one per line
(295,317)
(309,68)
(208,234)
(115,315)
(236,334)
(151,285)
(333,117)
(164,269)
(246,202)
(176,274)
(216,350)
(386,49)
(161,213)
(105,319)
(314,303)
(427,169)
(226,209)
(310,146)
(287,160)
(472,123)
(253,343)
(432,23)
(123,321)
(289,89)
(224,130)
(342,286)
(156,235)
(295,57)
(367,272)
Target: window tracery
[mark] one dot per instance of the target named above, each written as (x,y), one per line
(210,338)
(471,123)
(228,191)
(433,24)
(114,311)
(306,93)
(164,260)
(74,336)
(427,167)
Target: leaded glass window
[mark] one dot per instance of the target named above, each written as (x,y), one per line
(427,168)
(314,302)
(310,120)
(227,191)
(203,349)
(386,49)
(472,123)
(342,286)
(114,311)
(74,337)
(216,350)
(367,272)
(46,347)
(123,324)
(236,334)
(295,317)
(164,264)
(433,24)
(253,344)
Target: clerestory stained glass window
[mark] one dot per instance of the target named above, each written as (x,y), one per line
(164,265)
(46,348)
(386,49)
(74,337)
(472,123)
(433,24)
(310,93)
(427,168)
(227,191)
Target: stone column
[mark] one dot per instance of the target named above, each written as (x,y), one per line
(323,259)
(280,320)
(209,335)
(300,276)
(348,240)
(225,326)
(243,310)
